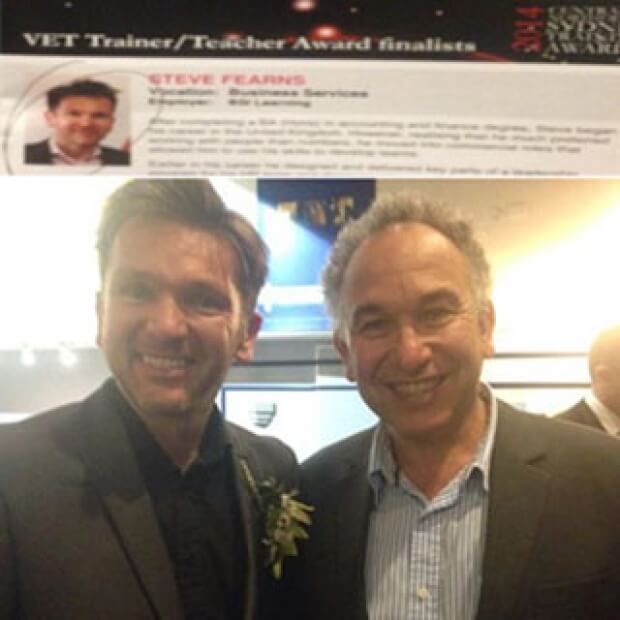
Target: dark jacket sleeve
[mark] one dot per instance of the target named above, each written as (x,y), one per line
(7,566)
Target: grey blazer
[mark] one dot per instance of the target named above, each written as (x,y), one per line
(580,413)
(78,534)
(552,548)
(39,153)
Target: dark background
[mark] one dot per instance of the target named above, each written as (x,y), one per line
(490,24)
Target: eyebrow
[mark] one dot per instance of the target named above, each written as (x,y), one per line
(436,296)
(128,273)
(440,295)
(364,311)
(204,287)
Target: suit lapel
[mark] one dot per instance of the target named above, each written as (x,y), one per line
(588,417)
(517,496)
(242,453)
(112,469)
(352,519)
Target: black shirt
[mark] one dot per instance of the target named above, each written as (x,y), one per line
(199,516)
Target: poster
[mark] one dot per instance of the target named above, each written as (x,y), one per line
(286,118)
(545,31)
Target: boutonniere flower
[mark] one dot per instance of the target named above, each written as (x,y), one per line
(285,519)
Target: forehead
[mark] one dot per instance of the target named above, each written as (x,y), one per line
(414,256)
(168,248)
(77,103)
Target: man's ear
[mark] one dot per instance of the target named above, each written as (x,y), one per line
(345,355)
(602,374)
(245,350)
(49,117)
(486,318)
(99,311)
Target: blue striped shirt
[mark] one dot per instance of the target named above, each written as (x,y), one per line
(424,558)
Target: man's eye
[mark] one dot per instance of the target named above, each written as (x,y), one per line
(373,327)
(436,316)
(136,291)
(206,302)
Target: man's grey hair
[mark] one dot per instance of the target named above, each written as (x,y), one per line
(402,208)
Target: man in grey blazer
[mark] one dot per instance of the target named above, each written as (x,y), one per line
(456,506)
(140,501)
(600,409)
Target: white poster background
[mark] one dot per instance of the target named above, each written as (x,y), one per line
(332,118)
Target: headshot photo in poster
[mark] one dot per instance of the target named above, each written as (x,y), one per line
(77,118)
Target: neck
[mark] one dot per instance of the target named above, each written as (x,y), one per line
(606,398)
(431,462)
(179,436)
(77,152)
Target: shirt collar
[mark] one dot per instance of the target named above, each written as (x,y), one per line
(213,444)
(383,470)
(608,419)
(61,158)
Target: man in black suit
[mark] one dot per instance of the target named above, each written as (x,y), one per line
(600,409)
(141,501)
(80,115)
(456,506)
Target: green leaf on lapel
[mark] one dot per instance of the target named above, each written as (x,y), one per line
(285,518)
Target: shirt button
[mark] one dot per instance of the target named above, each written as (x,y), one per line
(423,593)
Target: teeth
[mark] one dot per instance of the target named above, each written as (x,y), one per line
(165,363)
(414,388)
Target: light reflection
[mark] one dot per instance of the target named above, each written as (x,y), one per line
(556,299)
(559,298)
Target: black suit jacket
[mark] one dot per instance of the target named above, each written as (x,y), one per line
(580,413)
(39,153)
(552,549)
(79,537)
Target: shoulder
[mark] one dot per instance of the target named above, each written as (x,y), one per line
(569,448)
(340,458)
(37,146)
(272,456)
(30,449)
(576,410)
(263,444)
(37,153)
(579,412)
(53,431)
(522,424)
(42,424)
(114,156)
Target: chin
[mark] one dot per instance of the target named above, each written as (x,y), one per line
(165,407)
(419,423)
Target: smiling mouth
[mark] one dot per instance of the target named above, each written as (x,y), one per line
(165,363)
(419,387)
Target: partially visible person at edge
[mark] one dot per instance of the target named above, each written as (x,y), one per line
(137,502)
(456,506)
(80,115)
(600,408)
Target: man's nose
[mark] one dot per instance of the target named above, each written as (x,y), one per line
(167,319)
(412,348)
(85,120)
